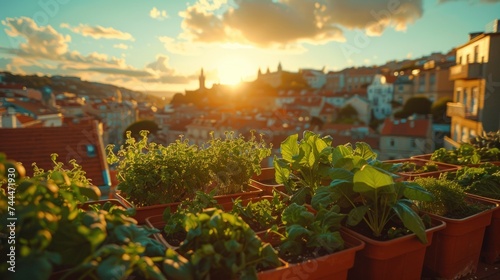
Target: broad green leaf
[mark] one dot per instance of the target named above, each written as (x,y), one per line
(290,147)
(332,194)
(365,151)
(330,241)
(411,220)
(357,214)
(301,195)
(308,158)
(370,178)
(282,171)
(338,173)
(295,232)
(414,191)
(340,152)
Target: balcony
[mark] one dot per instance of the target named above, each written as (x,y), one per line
(457,109)
(466,71)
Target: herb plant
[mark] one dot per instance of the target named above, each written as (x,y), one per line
(309,235)
(450,199)
(411,167)
(233,160)
(152,174)
(174,228)
(483,180)
(465,154)
(303,164)
(262,214)
(220,245)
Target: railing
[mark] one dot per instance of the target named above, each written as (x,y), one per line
(466,71)
(457,109)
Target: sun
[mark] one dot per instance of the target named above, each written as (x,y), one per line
(232,70)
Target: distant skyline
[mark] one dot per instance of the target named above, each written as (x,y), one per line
(161,45)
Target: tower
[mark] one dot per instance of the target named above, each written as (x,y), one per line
(202,80)
(279,67)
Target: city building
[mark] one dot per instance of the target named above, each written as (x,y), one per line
(476,96)
(403,138)
(380,95)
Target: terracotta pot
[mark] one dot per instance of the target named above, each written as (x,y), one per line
(490,252)
(399,258)
(332,266)
(266,182)
(157,222)
(408,176)
(456,249)
(147,211)
(250,192)
(118,202)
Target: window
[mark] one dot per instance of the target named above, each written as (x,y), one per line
(432,78)
(474,101)
(91,152)
(476,54)
(459,61)
(413,143)
(467,58)
(391,142)
(457,96)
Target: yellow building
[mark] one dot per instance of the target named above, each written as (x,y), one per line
(476,97)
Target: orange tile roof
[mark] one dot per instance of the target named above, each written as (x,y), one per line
(28,145)
(398,128)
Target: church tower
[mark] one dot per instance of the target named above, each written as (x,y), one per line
(202,80)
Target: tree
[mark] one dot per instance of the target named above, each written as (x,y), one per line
(135,128)
(438,110)
(415,105)
(348,112)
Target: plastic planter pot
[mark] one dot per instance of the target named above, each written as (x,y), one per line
(407,176)
(456,250)
(332,266)
(490,252)
(399,258)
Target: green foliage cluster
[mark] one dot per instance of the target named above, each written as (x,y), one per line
(262,214)
(463,155)
(154,174)
(412,167)
(151,174)
(305,231)
(350,177)
(483,180)
(53,232)
(220,245)
(450,199)
(233,160)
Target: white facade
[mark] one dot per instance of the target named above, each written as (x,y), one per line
(380,95)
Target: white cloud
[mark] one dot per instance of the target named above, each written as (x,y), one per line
(120,46)
(158,14)
(98,32)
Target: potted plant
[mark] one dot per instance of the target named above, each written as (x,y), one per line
(466,154)
(171,223)
(260,213)
(220,245)
(152,176)
(411,168)
(311,244)
(456,249)
(382,214)
(232,161)
(483,182)
(55,237)
(304,165)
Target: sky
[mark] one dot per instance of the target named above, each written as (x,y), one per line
(162,45)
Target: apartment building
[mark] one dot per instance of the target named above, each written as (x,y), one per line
(476,96)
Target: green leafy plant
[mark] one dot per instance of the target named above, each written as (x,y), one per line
(152,174)
(412,167)
(220,245)
(483,180)
(53,233)
(450,199)
(262,214)
(233,160)
(488,145)
(463,155)
(174,222)
(308,235)
(303,164)
(370,194)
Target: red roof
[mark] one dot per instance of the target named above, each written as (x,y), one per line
(28,145)
(409,128)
